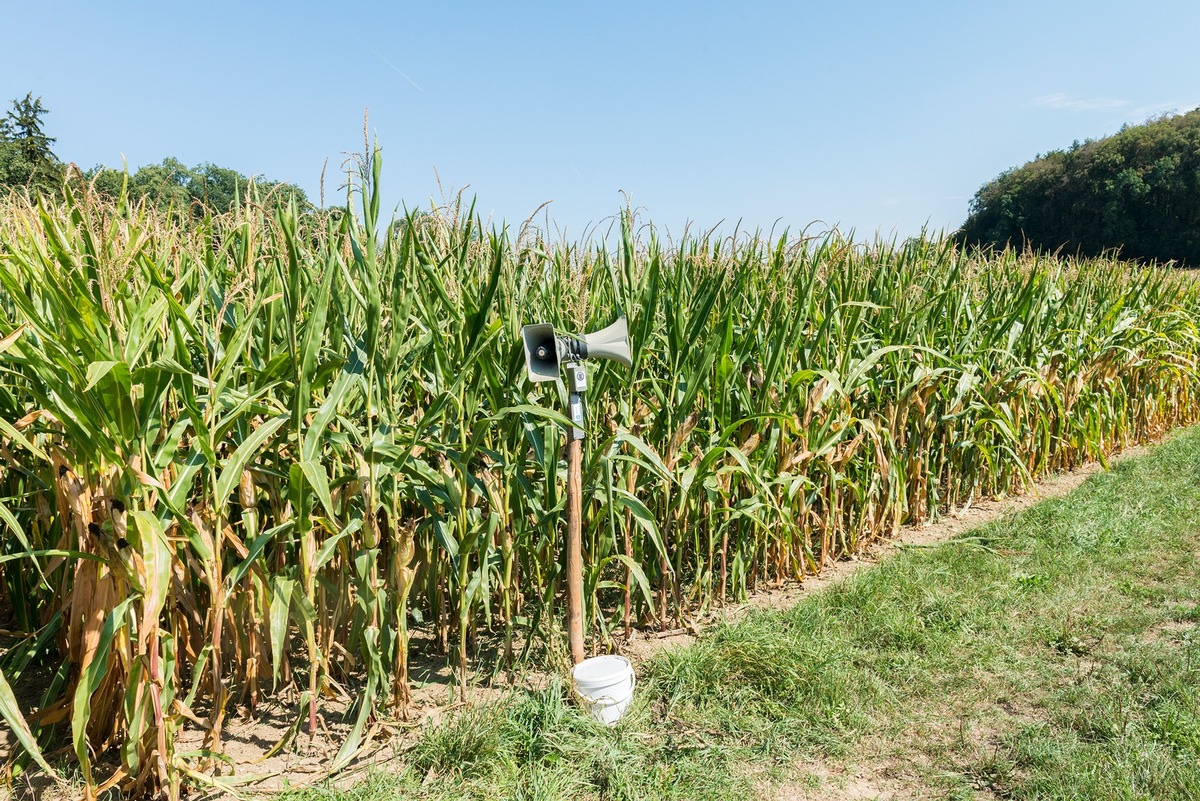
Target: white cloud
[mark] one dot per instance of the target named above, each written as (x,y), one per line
(1126,109)
(1154,109)
(1063,102)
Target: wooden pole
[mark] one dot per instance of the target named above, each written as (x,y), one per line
(575,548)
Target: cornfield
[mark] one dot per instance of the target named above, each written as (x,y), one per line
(266,450)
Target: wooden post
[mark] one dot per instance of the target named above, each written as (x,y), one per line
(577,384)
(575,548)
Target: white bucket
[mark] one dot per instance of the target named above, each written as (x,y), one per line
(605,686)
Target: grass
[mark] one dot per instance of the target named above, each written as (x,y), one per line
(1049,655)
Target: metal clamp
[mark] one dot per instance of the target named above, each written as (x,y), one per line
(577,384)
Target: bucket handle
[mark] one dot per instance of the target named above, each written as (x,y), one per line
(604,700)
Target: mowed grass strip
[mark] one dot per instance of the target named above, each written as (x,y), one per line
(1049,655)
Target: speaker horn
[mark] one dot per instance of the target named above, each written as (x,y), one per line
(611,342)
(541,352)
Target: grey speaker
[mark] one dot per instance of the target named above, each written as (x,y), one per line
(541,352)
(611,342)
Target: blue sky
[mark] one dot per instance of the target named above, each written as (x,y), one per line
(870,115)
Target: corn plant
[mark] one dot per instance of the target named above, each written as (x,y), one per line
(266,450)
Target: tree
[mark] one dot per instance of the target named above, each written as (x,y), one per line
(193,191)
(1137,192)
(165,185)
(25,155)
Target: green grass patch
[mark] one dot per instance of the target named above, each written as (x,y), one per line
(1052,654)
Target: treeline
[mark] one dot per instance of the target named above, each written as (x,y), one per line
(28,162)
(1136,192)
(172,184)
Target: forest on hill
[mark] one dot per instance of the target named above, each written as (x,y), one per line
(1136,192)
